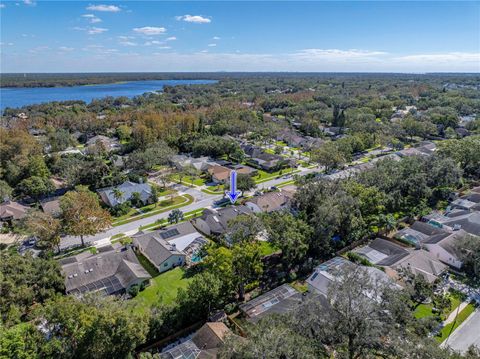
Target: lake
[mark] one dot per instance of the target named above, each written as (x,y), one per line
(18,97)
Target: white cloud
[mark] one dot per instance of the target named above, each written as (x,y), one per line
(198,19)
(215,38)
(29,2)
(66,49)
(150,30)
(212,45)
(443,58)
(104,8)
(2,6)
(164,47)
(128,43)
(338,54)
(125,38)
(171,38)
(92,18)
(154,42)
(96,30)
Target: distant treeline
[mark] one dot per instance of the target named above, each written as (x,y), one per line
(75,79)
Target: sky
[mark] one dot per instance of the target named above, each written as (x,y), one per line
(312,36)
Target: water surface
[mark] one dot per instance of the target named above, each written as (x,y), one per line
(18,97)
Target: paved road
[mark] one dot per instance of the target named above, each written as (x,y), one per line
(201,200)
(467,334)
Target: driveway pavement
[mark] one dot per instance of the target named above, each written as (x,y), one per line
(467,334)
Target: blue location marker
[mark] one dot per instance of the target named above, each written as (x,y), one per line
(233,194)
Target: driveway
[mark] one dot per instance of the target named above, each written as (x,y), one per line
(467,334)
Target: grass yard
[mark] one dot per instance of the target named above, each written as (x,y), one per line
(263,176)
(267,248)
(280,143)
(167,205)
(449,328)
(163,288)
(186,216)
(220,189)
(187,180)
(425,310)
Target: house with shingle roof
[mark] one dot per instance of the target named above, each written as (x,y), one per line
(160,247)
(394,258)
(215,222)
(219,174)
(108,272)
(127,189)
(204,343)
(269,202)
(10,210)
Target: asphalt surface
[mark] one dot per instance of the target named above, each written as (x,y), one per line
(467,334)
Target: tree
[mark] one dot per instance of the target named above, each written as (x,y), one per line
(37,167)
(387,223)
(26,281)
(175,216)
(82,214)
(94,327)
(243,228)
(290,234)
(154,195)
(328,155)
(246,264)
(5,190)
(136,200)
(35,187)
(124,132)
(417,287)
(117,194)
(245,183)
(469,249)
(45,227)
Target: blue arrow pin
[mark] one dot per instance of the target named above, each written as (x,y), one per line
(233,194)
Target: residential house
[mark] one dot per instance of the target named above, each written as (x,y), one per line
(468,202)
(291,138)
(184,237)
(205,343)
(440,242)
(266,161)
(425,148)
(457,219)
(269,202)
(127,189)
(244,170)
(12,211)
(108,272)
(280,300)
(199,163)
(51,206)
(108,143)
(215,222)
(326,273)
(219,174)
(158,250)
(394,258)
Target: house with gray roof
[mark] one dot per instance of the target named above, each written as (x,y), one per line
(270,201)
(266,161)
(108,272)
(160,247)
(127,190)
(215,222)
(394,258)
(326,273)
(204,343)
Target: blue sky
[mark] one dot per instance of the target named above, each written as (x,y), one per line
(84,36)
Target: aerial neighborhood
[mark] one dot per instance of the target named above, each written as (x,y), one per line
(117,215)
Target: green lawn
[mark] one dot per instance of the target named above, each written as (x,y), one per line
(163,289)
(220,189)
(263,176)
(167,205)
(425,310)
(280,143)
(449,328)
(187,180)
(267,248)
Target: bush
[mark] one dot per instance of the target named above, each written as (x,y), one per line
(134,289)
(121,209)
(357,258)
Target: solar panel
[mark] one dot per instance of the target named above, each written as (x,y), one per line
(169,233)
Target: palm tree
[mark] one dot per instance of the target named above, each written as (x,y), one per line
(117,194)
(386,223)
